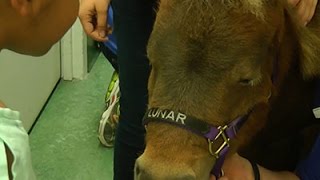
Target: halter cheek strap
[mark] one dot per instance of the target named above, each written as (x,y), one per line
(227,133)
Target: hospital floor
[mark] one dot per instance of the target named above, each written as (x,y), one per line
(64,141)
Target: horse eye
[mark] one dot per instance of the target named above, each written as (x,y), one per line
(246,82)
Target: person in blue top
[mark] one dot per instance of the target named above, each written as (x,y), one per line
(239,168)
(133,21)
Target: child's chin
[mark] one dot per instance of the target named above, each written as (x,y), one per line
(38,52)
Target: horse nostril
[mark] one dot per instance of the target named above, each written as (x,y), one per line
(140,173)
(137,169)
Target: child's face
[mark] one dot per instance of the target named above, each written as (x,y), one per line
(40,31)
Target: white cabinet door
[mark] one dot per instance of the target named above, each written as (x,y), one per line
(26,82)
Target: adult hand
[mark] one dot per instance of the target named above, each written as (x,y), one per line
(239,168)
(93,17)
(305,9)
(236,168)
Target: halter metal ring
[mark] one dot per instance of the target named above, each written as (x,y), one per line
(225,143)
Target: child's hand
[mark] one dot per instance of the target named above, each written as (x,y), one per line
(2,105)
(304,8)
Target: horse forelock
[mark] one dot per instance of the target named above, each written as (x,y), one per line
(255,7)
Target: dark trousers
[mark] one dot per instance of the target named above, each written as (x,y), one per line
(133,24)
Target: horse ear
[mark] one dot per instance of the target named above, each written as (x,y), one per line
(309,44)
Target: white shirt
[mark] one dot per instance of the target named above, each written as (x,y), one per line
(16,139)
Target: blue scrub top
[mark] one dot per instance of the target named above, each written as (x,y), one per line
(111,43)
(309,169)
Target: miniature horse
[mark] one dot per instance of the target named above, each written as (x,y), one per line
(228,76)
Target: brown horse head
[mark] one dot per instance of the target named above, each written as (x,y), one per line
(214,60)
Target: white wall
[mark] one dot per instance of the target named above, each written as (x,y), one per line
(26,82)
(74,53)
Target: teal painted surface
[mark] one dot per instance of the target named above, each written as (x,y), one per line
(64,141)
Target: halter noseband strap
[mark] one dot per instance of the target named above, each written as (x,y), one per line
(197,126)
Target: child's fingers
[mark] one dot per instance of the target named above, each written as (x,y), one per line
(305,9)
(313,7)
(293,3)
(302,11)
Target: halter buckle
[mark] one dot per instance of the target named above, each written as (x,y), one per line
(224,145)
